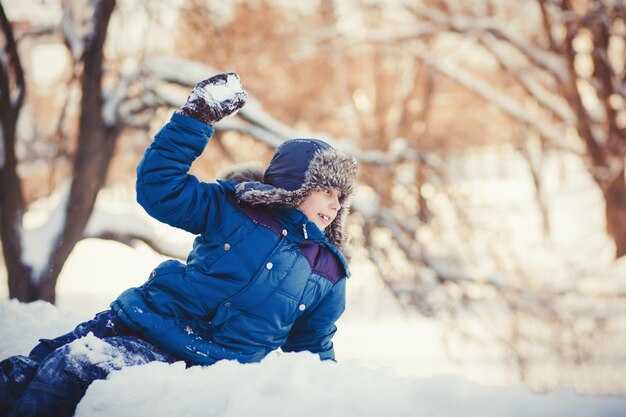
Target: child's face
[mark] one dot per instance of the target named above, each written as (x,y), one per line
(321,207)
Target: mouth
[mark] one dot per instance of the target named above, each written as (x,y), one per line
(324,217)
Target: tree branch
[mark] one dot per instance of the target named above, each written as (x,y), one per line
(130,239)
(251,120)
(552,102)
(494,97)
(548,61)
(15,104)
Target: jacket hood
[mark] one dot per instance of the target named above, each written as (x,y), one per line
(327,169)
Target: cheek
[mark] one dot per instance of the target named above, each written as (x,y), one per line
(311,207)
(305,207)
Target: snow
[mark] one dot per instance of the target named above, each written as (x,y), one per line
(37,12)
(281,385)
(50,63)
(299,384)
(390,362)
(22,325)
(41,230)
(181,71)
(90,349)
(137,27)
(215,93)
(78,24)
(113,97)
(114,213)
(117,213)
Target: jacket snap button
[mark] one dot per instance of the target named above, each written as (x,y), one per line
(269,265)
(226,246)
(227,304)
(153,274)
(301,307)
(284,232)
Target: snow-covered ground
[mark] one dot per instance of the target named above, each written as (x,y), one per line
(390,363)
(300,385)
(288,384)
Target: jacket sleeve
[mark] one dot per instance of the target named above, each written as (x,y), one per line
(165,189)
(314,331)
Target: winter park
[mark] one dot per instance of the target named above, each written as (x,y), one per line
(338,208)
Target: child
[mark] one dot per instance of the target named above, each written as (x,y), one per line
(265,271)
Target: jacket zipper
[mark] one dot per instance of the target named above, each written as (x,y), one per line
(306,235)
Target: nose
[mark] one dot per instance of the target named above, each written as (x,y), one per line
(334,203)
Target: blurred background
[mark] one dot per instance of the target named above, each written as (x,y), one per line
(491,137)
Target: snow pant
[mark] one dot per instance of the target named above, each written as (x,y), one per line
(53,378)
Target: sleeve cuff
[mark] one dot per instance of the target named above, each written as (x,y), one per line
(192,124)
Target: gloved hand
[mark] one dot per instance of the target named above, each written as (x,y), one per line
(215,98)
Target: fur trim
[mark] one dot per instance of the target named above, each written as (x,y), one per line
(244,172)
(327,169)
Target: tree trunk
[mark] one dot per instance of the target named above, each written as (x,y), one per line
(11,211)
(12,89)
(615,197)
(96,144)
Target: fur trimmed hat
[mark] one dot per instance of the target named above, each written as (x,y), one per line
(298,167)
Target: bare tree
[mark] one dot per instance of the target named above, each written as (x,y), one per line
(573,70)
(95,147)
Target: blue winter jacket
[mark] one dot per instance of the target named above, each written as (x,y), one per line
(252,282)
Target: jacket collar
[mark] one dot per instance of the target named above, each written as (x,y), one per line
(298,224)
(292,219)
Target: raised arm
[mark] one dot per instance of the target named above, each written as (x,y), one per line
(164,187)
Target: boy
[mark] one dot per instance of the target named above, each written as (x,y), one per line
(265,271)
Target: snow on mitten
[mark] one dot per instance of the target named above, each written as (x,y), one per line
(215,98)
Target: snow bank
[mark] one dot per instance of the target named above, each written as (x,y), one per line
(22,325)
(283,384)
(300,385)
